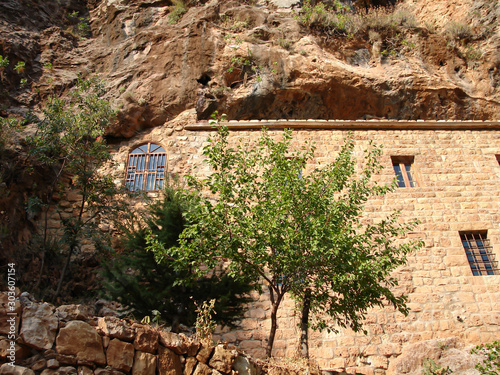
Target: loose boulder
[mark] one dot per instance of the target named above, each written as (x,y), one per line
(39,326)
(88,347)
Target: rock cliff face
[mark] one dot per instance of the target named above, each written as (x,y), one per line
(255,60)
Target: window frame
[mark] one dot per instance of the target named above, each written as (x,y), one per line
(479,253)
(148,178)
(407,171)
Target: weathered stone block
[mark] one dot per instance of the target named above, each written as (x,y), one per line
(7,369)
(116,328)
(190,365)
(5,325)
(144,364)
(39,326)
(168,362)
(204,353)
(146,339)
(84,370)
(120,355)
(222,359)
(88,347)
(174,342)
(202,369)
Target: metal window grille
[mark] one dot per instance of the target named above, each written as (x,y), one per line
(403,168)
(479,254)
(146,168)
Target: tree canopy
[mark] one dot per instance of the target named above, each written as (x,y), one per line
(269,217)
(143,285)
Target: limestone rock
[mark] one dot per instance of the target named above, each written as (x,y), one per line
(222,359)
(190,365)
(39,365)
(116,328)
(20,351)
(5,326)
(88,347)
(146,339)
(73,312)
(173,341)
(144,364)
(204,353)
(244,366)
(168,362)
(7,369)
(84,370)
(39,326)
(202,369)
(445,352)
(120,355)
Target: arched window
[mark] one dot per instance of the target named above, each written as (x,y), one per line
(146,168)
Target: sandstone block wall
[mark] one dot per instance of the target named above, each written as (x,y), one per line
(458,176)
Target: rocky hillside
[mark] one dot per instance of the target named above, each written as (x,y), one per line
(422,59)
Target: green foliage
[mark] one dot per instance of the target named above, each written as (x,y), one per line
(178,10)
(459,30)
(430,367)
(48,66)
(491,364)
(20,67)
(4,62)
(69,141)
(143,284)
(297,231)
(80,26)
(342,20)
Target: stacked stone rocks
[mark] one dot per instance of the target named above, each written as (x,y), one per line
(69,340)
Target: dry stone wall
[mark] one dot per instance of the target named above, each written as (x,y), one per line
(69,340)
(458,176)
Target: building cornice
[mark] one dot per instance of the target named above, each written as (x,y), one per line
(352,125)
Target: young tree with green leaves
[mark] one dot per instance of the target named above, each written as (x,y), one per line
(142,285)
(298,231)
(69,142)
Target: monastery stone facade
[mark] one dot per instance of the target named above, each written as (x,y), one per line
(456,170)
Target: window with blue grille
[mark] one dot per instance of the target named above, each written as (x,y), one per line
(146,168)
(479,253)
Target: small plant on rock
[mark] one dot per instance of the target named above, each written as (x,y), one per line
(491,364)
(430,367)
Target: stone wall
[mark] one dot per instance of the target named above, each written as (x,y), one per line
(69,340)
(458,176)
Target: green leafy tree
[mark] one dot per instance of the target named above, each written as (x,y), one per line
(69,142)
(299,231)
(143,285)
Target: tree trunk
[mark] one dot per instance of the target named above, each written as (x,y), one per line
(274,324)
(63,272)
(304,325)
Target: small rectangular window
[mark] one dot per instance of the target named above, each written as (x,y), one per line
(479,253)
(404,170)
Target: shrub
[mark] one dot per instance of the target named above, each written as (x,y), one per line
(178,10)
(459,30)
(491,364)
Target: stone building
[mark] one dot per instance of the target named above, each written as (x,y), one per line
(448,174)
